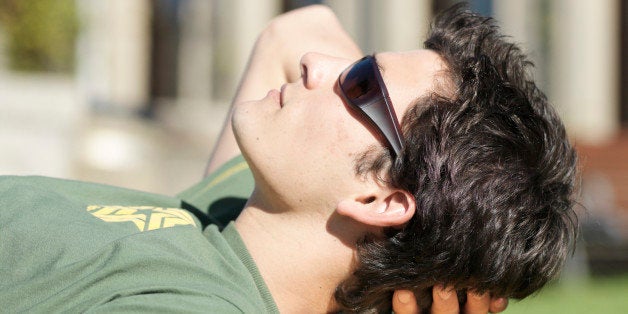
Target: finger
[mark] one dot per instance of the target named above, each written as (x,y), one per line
(498,305)
(477,303)
(404,302)
(445,300)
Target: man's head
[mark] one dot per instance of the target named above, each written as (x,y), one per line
(306,137)
(492,173)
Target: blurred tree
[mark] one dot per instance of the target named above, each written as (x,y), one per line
(40,34)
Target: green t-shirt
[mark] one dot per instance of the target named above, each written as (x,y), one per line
(68,246)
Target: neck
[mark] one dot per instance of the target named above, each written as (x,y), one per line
(302,258)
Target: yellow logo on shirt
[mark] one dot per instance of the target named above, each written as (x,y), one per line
(145,218)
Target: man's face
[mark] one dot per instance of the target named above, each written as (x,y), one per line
(302,141)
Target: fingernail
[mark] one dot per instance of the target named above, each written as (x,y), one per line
(404,296)
(478,296)
(444,293)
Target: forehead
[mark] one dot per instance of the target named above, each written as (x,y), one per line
(409,75)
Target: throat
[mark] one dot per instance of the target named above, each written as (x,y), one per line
(300,262)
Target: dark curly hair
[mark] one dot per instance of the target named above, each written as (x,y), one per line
(492,172)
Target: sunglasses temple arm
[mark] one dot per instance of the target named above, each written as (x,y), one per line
(386,121)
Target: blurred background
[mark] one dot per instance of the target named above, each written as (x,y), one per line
(134,92)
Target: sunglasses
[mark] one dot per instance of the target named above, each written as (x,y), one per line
(362,86)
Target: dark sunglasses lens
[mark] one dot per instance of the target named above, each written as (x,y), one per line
(359,82)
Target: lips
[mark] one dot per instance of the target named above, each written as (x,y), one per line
(281,94)
(275,95)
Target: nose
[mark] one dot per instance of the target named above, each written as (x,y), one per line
(319,69)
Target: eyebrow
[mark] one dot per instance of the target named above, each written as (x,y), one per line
(379,66)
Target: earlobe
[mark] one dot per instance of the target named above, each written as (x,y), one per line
(391,209)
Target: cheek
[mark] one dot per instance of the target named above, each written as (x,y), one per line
(332,131)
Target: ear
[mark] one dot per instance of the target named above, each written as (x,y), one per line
(386,208)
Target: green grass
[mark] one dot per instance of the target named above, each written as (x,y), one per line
(605,295)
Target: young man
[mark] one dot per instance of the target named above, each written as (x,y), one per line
(473,191)
(346,206)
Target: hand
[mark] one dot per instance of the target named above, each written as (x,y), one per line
(445,301)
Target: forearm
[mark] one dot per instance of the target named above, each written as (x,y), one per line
(262,73)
